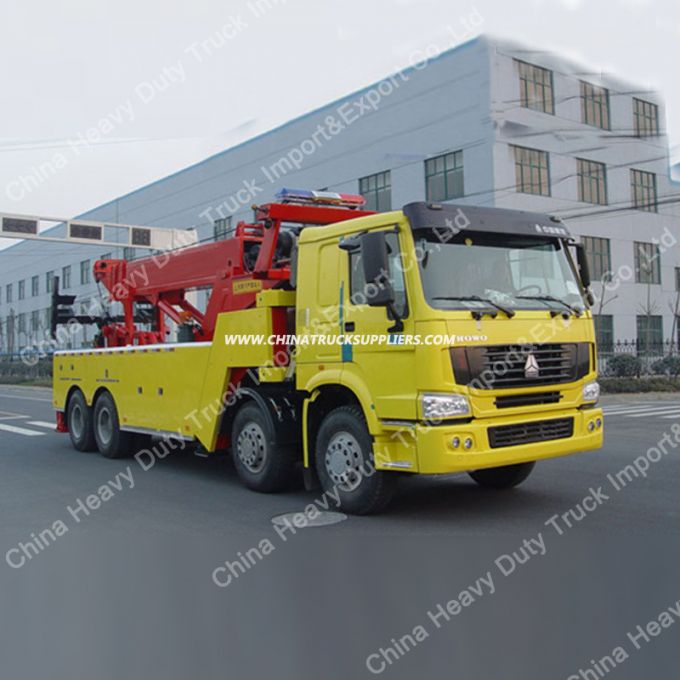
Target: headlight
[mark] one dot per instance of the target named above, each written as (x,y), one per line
(444,406)
(591,391)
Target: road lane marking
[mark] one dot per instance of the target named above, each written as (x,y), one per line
(42,423)
(21,430)
(14,396)
(641,410)
(8,415)
(658,412)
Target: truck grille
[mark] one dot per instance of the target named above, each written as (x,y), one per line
(532,399)
(505,366)
(526,433)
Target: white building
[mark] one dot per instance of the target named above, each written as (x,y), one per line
(489,122)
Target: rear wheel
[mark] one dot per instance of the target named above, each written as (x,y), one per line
(261,463)
(79,421)
(503,477)
(111,441)
(345,463)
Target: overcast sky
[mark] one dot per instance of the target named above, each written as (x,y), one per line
(78,97)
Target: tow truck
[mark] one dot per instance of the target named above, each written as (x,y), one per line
(448,338)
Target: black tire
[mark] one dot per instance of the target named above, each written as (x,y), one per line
(261,463)
(504,477)
(345,463)
(111,442)
(79,421)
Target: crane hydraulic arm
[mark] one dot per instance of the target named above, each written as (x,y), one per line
(256,257)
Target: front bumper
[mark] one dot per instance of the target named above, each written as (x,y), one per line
(429,449)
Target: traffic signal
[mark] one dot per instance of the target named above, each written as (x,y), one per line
(62,307)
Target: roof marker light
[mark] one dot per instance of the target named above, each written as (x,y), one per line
(320,198)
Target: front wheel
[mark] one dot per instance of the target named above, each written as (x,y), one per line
(346,466)
(503,477)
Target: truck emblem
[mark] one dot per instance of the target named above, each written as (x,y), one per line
(531,369)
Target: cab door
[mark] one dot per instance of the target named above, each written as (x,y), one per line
(381,359)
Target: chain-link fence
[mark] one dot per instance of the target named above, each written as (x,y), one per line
(15,368)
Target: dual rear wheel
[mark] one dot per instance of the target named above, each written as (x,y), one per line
(98,427)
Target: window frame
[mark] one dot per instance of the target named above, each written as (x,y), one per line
(642,343)
(221,228)
(449,174)
(85,272)
(644,190)
(528,76)
(599,256)
(66,272)
(373,193)
(595,109)
(586,178)
(521,184)
(606,329)
(651,127)
(653,273)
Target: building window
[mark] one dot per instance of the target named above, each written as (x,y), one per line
(604,331)
(66,276)
(221,228)
(535,87)
(677,279)
(647,263)
(105,256)
(650,332)
(128,253)
(8,293)
(643,187)
(84,272)
(595,105)
(598,252)
(532,171)
(21,323)
(49,282)
(592,182)
(22,290)
(35,286)
(444,177)
(645,118)
(35,321)
(377,190)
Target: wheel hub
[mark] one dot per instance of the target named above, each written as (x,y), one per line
(251,447)
(76,421)
(344,460)
(105,425)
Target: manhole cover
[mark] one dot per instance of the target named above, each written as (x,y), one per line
(300,520)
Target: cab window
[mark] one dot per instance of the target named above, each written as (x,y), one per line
(395,276)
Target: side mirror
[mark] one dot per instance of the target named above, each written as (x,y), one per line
(374,257)
(583,268)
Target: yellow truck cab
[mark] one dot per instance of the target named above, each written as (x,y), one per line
(434,339)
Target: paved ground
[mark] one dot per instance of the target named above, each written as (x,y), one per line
(453,581)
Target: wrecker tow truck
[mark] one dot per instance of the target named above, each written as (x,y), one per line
(448,338)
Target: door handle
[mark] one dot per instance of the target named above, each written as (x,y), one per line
(349,326)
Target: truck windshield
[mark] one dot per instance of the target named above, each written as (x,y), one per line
(473,269)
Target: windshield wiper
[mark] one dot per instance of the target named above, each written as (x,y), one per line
(475,298)
(549,298)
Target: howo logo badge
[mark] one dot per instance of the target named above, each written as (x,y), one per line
(531,369)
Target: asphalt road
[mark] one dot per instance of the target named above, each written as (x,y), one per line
(550,580)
